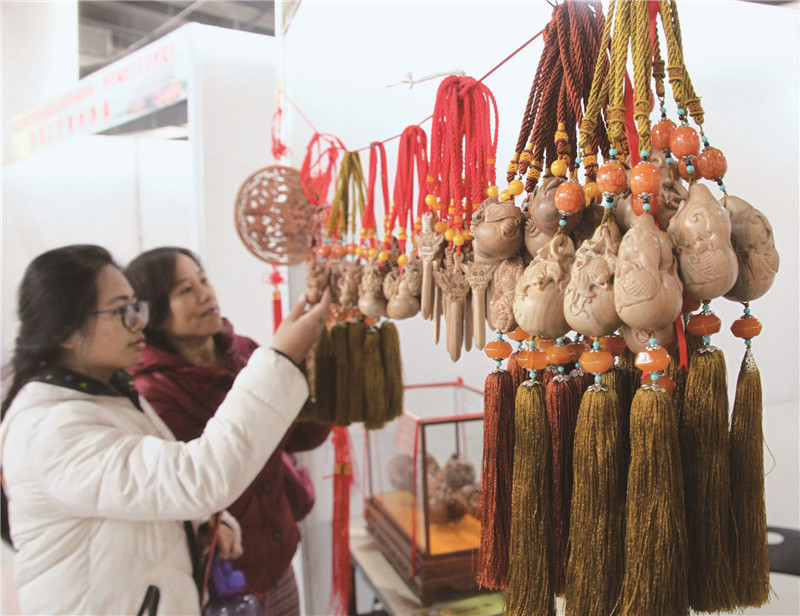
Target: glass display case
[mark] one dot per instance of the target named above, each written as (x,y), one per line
(423,490)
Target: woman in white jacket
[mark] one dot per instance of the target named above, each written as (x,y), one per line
(97,487)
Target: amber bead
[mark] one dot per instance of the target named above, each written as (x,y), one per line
(532,359)
(637,205)
(440,227)
(578,348)
(338,251)
(652,360)
(543,344)
(746,327)
(684,141)
(570,198)
(662,131)
(690,304)
(645,178)
(492,191)
(560,354)
(611,178)
(402,260)
(704,324)
(518,334)
(711,163)
(615,344)
(559,168)
(596,361)
(515,187)
(350,249)
(498,349)
(324,251)
(684,173)
(430,199)
(664,380)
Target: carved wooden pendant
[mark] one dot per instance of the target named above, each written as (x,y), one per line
(371,300)
(479,275)
(429,246)
(501,296)
(701,234)
(452,281)
(348,284)
(647,289)
(497,229)
(318,278)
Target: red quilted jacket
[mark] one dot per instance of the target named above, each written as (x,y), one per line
(186,396)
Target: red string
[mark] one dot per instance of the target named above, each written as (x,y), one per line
(377,154)
(411,155)
(280,151)
(319,166)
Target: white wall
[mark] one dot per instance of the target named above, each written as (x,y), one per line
(743,61)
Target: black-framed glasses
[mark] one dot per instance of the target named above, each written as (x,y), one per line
(130,313)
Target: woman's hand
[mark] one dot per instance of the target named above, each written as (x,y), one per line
(229,547)
(298,331)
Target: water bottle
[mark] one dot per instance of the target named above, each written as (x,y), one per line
(228,591)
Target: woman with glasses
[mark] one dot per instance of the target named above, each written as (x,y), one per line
(189,362)
(97,486)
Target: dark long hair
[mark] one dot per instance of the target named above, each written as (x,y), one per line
(152,276)
(57,295)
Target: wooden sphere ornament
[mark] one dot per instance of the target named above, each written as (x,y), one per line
(274,218)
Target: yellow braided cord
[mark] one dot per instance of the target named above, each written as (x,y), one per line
(692,102)
(674,54)
(337,223)
(595,102)
(357,182)
(640,48)
(658,70)
(619,57)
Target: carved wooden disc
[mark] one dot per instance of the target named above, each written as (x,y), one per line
(273,216)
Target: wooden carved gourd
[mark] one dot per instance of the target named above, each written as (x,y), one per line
(348,284)
(318,277)
(497,229)
(647,289)
(371,300)
(754,245)
(535,238)
(589,295)
(701,234)
(638,339)
(539,297)
(401,302)
(501,294)
(544,213)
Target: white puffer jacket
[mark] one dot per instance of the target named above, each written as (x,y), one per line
(98,490)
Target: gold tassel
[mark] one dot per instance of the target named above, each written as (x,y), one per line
(750,555)
(392,370)
(496,479)
(706,473)
(530,577)
(341,415)
(596,536)
(375,401)
(324,382)
(356,333)
(655,580)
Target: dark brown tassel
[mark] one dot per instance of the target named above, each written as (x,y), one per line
(530,577)
(496,479)
(341,415)
(356,333)
(750,555)
(596,534)
(706,478)
(324,382)
(678,374)
(655,580)
(518,373)
(392,370)
(563,401)
(375,401)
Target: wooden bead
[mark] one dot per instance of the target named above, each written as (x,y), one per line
(596,362)
(498,349)
(614,344)
(684,141)
(611,177)
(704,324)
(659,136)
(711,163)
(570,198)
(746,327)
(645,178)
(653,360)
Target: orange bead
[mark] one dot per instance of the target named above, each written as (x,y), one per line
(402,260)
(492,191)
(690,304)
(458,240)
(652,360)
(560,354)
(383,256)
(338,251)
(351,249)
(611,177)
(506,196)
(518,334)
(578,349)
(746,327)
(570,198)
(516,187)
(497,349)
(559,168)
(684,141)
(440,227)
(449,234)
(615,344)
(645,178)
(711,163)
(371,252)
(324,251)
(683,171)
(664,380)
(659,137)
(430,200)
(596,362)
(637,205)
(543,344)
(704,324)
(532,359)
(591,191)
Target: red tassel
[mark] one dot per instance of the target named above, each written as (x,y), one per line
(496,479)
(341,568)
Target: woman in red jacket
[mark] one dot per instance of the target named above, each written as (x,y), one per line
(187,367)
